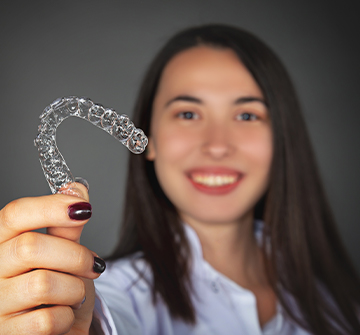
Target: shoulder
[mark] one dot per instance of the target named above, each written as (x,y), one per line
(124,293)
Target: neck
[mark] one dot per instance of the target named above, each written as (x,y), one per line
(231,249)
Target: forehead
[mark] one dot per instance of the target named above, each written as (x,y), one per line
(207,68)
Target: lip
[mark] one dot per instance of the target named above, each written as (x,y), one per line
(220,171)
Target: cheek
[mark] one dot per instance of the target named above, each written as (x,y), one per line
(174,147)
(257,146)
(171,149)
(173,144)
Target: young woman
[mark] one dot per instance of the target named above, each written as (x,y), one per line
(226,227)
(228,147)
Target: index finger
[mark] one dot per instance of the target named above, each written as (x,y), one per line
(73,233)
(28,214)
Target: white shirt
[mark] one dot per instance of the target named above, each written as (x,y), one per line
(124,305)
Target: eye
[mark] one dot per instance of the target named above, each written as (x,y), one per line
(188,115)
(247,117)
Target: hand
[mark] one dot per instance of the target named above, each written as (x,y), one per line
(44,277)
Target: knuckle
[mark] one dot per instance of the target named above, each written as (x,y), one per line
(9,213)
(47,321)
(39,286)
(81,258)
(44,321)
(27,246)
(81,290)
(68,316)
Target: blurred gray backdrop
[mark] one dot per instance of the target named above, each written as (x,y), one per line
(100,49)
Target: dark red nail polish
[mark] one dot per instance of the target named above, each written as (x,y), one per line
(80,211)
(99,265)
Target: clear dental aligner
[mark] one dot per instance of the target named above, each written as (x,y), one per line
(56,171)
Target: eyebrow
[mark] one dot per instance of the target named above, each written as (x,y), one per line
(238,101)
(187,98)
(244,100)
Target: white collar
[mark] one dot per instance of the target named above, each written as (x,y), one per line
(216,280)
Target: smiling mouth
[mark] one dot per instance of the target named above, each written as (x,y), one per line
(214,180)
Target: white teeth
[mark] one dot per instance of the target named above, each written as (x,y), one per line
(213,181)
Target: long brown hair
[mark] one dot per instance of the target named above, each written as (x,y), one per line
(308,264)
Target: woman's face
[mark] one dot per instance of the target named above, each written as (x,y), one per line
(210,139)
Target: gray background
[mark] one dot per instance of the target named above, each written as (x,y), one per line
(100,49)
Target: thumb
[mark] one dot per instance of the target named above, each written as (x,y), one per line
(77,190)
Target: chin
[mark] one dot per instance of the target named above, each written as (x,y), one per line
(217,217)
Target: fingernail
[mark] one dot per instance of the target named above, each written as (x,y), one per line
(82,181)
(78,306)
(82,303)
(99,265)
(80,211)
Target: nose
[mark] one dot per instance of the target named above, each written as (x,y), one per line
(217,142)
